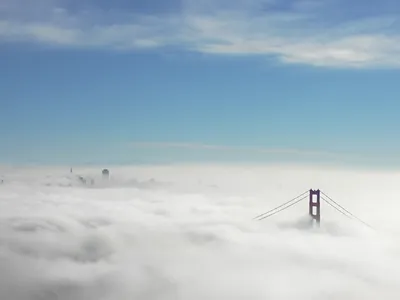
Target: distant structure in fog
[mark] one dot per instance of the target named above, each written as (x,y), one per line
(314,207)
(106,174)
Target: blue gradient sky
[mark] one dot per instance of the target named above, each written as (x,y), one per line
(161,81)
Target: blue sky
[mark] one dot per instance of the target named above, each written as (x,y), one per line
(185,80)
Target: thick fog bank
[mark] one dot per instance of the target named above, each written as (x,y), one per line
(187,232)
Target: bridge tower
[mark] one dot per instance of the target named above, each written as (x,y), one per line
(315,206)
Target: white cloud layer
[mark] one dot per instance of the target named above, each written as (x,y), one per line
(299,34)
(186,232)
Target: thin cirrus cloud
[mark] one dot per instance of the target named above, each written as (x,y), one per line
(302,33)
(347,157)
(228,148)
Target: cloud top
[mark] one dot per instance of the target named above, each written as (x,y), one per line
(196,238)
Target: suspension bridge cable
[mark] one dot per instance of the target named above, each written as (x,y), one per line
(284,208)
(282,205)
(346,212)
(355,217)
(343,213)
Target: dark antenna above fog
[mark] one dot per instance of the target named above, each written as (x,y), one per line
(106,174)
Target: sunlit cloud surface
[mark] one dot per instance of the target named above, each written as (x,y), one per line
(305,32)
(187,232)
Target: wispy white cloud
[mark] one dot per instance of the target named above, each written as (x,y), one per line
(118,37)
(295,35)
